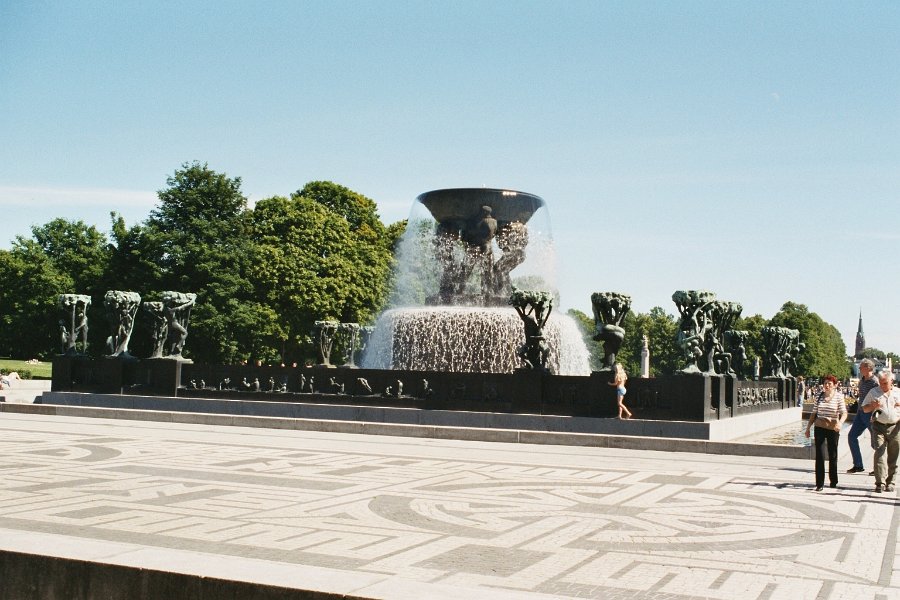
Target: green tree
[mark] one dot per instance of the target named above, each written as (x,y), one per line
(368,252)
(361,213)
(135,257)
(28,301)
(76,249)
(824,352)
(198,236)
(754,345)
(82,253)
(325,255)
(874,353)
(661,330)
(394,233)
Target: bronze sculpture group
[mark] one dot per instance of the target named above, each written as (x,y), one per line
(709,343)
(168,322)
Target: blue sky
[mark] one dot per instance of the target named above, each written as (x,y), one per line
(748,148)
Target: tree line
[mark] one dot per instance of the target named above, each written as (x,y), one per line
(823,353)
(262,275)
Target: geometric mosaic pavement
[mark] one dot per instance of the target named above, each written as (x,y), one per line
(568,522)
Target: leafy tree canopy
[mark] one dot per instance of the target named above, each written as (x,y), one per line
(824,352)
(198,239)
(661,330)
(28,297)
(754,345)
(74,248)
(360,213)
(321,257)
(873,353)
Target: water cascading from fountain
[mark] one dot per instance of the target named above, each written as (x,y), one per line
(461,255)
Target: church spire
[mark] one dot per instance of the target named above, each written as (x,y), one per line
(860,338)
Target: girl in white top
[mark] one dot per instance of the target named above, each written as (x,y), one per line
(619,379)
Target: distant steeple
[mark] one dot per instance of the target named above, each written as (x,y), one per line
(860,338)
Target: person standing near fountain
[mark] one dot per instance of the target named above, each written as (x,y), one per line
(883,403)
(867,382)
(828,414)
(619,379)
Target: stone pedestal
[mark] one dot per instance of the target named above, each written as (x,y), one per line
(159,376)
(717,397)
(85,374)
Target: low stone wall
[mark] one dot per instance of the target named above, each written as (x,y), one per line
(31,576)
(672,436)
(25,390)
(694,398)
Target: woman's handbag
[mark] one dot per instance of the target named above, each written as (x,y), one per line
(827,423)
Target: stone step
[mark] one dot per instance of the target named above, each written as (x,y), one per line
(24,391)
(30,384)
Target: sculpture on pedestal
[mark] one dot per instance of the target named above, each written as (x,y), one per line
(480,236)
(701,332)
(158,327)
(610,309)
(365,334)
(534,308)
(794,349)
(349,333)
(325,331)
(512,239)
(177,308)
(121,309)
(735,340)
(782,347)
(645,356)
(74,307)
(696,323)
(724,315)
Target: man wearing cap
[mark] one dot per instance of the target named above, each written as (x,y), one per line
(883,403)
(867,382)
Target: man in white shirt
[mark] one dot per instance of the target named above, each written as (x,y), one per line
(883,403)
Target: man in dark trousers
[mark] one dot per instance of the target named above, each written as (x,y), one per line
(867,381)
(883,403)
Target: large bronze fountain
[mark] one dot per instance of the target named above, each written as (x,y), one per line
(468,246)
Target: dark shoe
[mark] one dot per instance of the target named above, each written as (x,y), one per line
(889,487)
(818,488)
(856,470)
(872,473)
(833,486)
(877,489)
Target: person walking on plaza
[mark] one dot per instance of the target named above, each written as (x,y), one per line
(828,413)
(883,403)
(619,379)
(867,382)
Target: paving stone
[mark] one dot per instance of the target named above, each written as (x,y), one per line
(93,506)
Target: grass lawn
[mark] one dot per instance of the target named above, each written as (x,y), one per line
(41,370)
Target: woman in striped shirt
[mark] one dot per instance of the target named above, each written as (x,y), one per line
(828,414)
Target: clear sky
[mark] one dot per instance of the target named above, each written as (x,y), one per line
(748,148)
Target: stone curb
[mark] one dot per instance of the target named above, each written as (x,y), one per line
(514,436)
(51,566)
